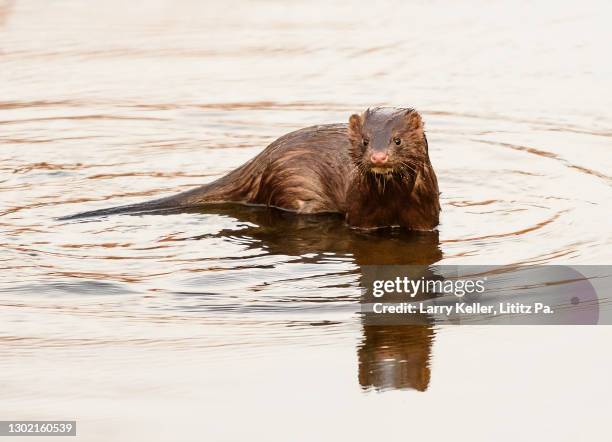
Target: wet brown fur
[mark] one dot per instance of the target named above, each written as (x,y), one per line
(325,168)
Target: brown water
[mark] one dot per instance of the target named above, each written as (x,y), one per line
(241,323)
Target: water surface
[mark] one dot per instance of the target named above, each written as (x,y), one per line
(238,323)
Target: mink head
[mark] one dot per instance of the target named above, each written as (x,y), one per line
(388,141)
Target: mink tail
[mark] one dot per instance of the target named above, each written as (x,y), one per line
(239,186)
(162,204)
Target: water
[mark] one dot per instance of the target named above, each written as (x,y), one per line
(239,323)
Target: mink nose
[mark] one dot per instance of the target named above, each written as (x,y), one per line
(379,158)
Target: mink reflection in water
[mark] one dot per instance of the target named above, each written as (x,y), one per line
(391,356)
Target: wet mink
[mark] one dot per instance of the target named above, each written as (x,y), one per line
(375,170)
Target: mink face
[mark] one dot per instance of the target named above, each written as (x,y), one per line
(394,182)
(388,141)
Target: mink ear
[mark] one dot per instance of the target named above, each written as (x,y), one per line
(413,120)
(354,126)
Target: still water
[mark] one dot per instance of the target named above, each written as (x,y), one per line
(239,323)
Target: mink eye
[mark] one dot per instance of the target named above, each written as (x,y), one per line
(366,141)
(397,141)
